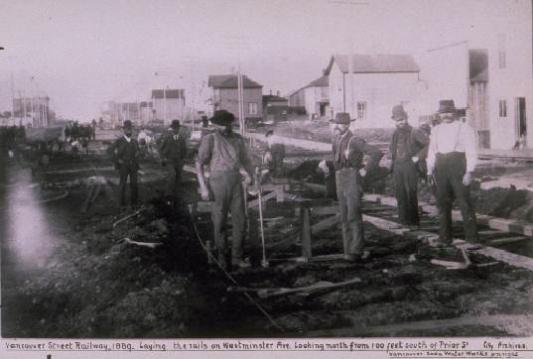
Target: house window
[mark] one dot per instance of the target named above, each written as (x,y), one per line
(361,110)
(503,108)
(252,108)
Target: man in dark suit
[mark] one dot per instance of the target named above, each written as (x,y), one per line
(125,153)
(407,149)
(173,151)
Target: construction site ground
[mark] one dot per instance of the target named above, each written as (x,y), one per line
(76,265)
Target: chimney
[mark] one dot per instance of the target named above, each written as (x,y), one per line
(270,92)
(277,93)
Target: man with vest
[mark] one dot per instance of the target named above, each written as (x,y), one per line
(125,153)
(173,151)
(348,153)
(227,157)
(407,150)
(452,157)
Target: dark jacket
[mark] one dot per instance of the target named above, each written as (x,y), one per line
(358,148)
(125,153)
(417,143)
(173,150)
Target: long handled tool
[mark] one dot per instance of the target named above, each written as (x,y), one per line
(264,262)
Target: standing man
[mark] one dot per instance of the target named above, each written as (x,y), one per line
(348,153)
(173,151)
(227,157)
(407,150)
(452,157)
(274,156)
(125,153)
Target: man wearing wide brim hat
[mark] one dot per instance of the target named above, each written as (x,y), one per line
(408,147)
(452,158)
(173,151)
(348,153)
(125,152)
(226,155)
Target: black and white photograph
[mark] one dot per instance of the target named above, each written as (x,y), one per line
(278,169)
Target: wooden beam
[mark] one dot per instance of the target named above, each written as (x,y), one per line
(305,232)
(325,224)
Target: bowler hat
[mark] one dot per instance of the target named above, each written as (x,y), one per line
(222,118)
(398,112)
(175,124)
(127,124)
(341,118)
(447,106)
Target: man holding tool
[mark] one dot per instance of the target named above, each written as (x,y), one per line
(227,157)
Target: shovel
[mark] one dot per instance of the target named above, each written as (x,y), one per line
(264,262)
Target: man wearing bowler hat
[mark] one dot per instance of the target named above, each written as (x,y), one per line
(348,153)
(227,157)
(452,157)
(173,151)
(407,150)
(125,153)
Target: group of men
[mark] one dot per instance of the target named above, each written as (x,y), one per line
(446,157)
(126,153)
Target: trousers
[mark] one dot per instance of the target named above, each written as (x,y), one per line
(406,189)
(126,171)
(349,195)
(228,196)
(449,171)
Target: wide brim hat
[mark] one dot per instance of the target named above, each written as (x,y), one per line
(447,106)
(127,124)
(341,118)
(222,118)
(398,112)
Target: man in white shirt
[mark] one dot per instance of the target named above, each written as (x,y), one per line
(452,157)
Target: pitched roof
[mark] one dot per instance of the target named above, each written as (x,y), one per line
(230,81)
(374,63)
(169,93)
(320,82)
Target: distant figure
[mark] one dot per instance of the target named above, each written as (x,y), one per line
(406,149)
(452,158)
(125,153)
(274,156)
(348,153)
(173,151)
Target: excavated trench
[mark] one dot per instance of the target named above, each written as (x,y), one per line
(97,284)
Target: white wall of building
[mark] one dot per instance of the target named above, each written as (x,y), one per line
(377,92)
(511,34)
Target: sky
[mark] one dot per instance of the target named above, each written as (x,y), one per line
(83,53)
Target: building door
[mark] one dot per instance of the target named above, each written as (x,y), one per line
(520,119)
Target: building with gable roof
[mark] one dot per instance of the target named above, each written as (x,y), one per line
(369,86)
(225,96)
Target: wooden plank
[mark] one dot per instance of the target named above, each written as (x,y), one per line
(502,241)
(265,198)
(305,232)
(325,224)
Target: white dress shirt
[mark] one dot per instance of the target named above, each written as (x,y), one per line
(453,137)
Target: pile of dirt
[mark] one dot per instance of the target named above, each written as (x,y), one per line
(102,286)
